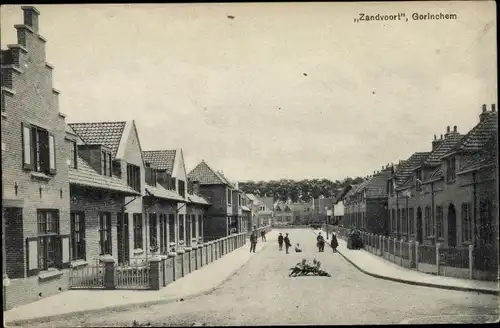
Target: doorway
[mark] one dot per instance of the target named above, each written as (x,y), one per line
(452,226)
(420,233)
(122,233)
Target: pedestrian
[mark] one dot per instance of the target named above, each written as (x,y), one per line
(253,241)
(334,243)
(320,242)
(287,243)
(280,241)
(298,249)
(263,234)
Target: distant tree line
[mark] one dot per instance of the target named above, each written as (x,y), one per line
(303,190)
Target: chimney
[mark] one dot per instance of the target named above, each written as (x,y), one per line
(31,17)
(484,114)
(455,128)
(493,109)
(436,142)
(448,129)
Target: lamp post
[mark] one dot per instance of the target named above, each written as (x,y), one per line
(326,220)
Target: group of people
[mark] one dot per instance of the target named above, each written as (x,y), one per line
(320,242)
(253,239)
(304,269)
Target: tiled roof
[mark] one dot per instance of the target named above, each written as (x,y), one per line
(205,175)
(86,176)
(477,161)
(352,190)
(436,174)
(444,147)
(100,133)
(406,168)
(161,159)
(198,199)
(480,134)
(376,186)
(160,192)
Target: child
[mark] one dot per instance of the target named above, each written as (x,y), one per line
(298,249)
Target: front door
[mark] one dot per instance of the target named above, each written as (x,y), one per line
(452,226)
(420,233)
(122,234)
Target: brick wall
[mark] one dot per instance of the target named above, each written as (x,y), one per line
(216,195)
(35,102)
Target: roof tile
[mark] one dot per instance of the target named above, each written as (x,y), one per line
(450,141)
(480,134)
(160,192)
(205,175)
(162,159)
(406,168)
(100,133)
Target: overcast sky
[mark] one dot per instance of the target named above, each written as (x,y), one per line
(234,92)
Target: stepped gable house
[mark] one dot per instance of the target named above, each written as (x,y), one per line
(35,188)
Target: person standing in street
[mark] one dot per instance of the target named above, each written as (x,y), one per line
(253,241)
(263,235)
(280,242)
(288,244)
(334,243)
(320,242)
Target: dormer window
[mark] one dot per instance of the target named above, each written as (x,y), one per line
(171,183)
(134,177)
(106,163)
(239,200)
(418,179)
(182,188)
(229,197)
(73,155)
(151,175)
(450,169)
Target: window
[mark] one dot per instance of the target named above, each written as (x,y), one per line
(404,220)
(194,225)
(229,196)
(48,232)
(39,149)
(466,222)
(411,219)
(171,227)
(485,223)
(262,208)
(393,220)
(427,220)
(77,236)
(134,177)
(418,179)
(181,227)
(182,188)
(398,221)
(239,200)
(73,155)
(151,175)
(450,169)
(200,225)
(172,184)
(106,166)
(439,221)
(138,244)
(105,234)
(153,230)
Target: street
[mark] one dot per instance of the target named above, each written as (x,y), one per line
(261,293)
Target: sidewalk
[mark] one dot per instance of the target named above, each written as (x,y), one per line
(378,267)
(79,302)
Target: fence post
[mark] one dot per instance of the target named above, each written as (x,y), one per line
(109,272)
(410,254)
(164,269)
(188,255)
(382,245)
(401,252)
(471,261)
(173,255)
(181,254)
(394,247)
(416,254)
(154,273)
(437,257)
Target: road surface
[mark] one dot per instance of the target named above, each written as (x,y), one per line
(261,293)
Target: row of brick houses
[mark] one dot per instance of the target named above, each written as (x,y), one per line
(447,195)
(75,193)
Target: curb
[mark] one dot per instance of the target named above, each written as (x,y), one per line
(423,284)
(121,308)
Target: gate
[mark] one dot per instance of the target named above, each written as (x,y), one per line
(132,277)
(87,277)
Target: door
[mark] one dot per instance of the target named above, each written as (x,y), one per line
(452,226)
(122,234)
(420,233)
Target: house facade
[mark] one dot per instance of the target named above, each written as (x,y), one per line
(262,213)
(218,191)
(366,204)
(35,188)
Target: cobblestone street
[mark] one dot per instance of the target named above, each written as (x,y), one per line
(261,293)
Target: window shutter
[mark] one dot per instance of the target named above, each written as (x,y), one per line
(32,256)
(52,154)
(63,249)
(27,147)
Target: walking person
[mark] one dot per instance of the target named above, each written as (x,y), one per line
(263,235)
(280,241)
(253,241)
(288,244)
(334,243)
(320,242)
